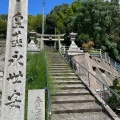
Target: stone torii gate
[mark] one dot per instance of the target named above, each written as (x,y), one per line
(50,37)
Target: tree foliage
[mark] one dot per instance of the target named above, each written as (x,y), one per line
(4,16)
(3,26)
(56,19)
(35,23)
(113,101)
(92,19)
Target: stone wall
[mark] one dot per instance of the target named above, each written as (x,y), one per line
(99,68)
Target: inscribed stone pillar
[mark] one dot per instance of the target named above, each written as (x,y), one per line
(13,95)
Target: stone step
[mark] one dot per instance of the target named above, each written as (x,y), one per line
(70,92)
(67,81)
(64,77)
(52,53)
(60,71)
(81,116)
(53,64)
(72,99)
(75,108)
(59,67)
(56,58)
(57,62)
(61,74)
(70,86)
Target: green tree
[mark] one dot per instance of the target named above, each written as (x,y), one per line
(35,23)
(113,101)
(56,19)
(3,29)
(4,16)
(92,19)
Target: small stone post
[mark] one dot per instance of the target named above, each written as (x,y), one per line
(115,65)
(100,53)
(13,94)
(105,56)
(36,104)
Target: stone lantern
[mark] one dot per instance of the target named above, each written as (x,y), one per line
(32,35)
(73,49)
(32,47)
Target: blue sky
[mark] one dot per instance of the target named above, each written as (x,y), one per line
(35,6)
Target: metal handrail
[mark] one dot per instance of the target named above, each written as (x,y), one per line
(97,79)
(47,88)
(110,60)
(104,85)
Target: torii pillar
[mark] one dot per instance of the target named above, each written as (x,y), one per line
(13,94)
(59,43)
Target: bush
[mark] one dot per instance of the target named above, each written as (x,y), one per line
(113,101)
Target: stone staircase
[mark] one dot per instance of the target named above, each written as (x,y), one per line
(71,100)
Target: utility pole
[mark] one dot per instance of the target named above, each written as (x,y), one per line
(42,38)
(43,19)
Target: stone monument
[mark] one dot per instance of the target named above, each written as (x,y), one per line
(73,49)
(36,104)
(32,47)
(13,94)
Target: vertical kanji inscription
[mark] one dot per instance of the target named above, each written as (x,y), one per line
(13,94)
